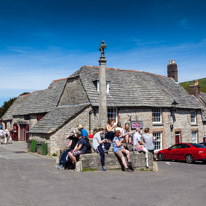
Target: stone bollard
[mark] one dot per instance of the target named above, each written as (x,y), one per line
(79,166)
(155,166)
(59,152)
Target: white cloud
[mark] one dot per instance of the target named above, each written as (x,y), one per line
(35,70)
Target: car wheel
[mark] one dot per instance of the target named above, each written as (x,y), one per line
(160,157)
(189,158)
(204,161)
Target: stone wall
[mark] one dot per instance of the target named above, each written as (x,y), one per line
(92,161)
(74,93)
(58,140)
(182,123)
(204,126)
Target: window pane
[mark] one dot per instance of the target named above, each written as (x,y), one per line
(194,137)
(157,115)
(193,117)
(158,140)
(112,113)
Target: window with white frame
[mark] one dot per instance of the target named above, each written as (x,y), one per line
(158,140)
(193,117)
(112,113)
(107,86)
(194,136)
(156,115)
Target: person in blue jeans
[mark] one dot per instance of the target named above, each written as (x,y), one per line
(100,146)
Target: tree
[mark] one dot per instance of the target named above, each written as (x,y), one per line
(6,106)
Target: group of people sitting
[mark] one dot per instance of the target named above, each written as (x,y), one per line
(4,136)
(122,140)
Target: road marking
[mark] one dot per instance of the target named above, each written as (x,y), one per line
(168,163)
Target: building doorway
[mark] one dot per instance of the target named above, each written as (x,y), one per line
(24,132)
(178,138)
(15,132)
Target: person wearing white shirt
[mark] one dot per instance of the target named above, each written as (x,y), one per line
(1,135)
(100,146)
(139,144)
(119,127)
(6,136)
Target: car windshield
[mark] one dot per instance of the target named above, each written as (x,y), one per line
(197,145)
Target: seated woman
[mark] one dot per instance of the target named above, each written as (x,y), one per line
(63,161)
(100,146)
(110,129)
(127,135)
(118,149)
(119,127)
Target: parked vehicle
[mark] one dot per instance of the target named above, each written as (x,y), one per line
(203,143)
(188,152)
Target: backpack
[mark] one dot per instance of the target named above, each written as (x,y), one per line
(88,144)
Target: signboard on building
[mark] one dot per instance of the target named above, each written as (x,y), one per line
(136,124)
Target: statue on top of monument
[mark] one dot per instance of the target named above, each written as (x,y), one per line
(101,48)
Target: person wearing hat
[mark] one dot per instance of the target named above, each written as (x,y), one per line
(79,149)
(83,131)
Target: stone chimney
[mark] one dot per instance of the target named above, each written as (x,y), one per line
(172,70)
(194,89)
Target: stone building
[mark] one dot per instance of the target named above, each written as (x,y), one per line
(194,90)
(140,98)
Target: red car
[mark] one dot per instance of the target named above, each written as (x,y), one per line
(188,152)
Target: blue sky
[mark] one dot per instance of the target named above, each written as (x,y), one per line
(43,40)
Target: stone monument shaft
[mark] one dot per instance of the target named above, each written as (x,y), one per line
(102,87)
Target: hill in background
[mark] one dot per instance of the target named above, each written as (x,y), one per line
(202,83)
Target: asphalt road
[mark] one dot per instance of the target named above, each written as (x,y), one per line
(28,179)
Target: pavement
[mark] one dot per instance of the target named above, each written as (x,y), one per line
(28,179)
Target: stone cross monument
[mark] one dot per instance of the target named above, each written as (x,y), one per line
(102,87)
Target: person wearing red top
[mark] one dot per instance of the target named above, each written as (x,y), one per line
(91,134)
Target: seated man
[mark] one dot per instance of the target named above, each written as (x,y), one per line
(80,148)
(101,146)
(139,144)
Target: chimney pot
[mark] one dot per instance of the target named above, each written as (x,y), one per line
(194,89)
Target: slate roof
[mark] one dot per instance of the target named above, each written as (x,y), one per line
(136,88)
(56,118)
(202,99)
(14,107)
(44,100)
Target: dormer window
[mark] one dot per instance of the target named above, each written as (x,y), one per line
(107,86)
(193,117)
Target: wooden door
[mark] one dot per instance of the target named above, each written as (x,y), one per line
(15,132)
(22,132)
(177,137)
(27,132)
